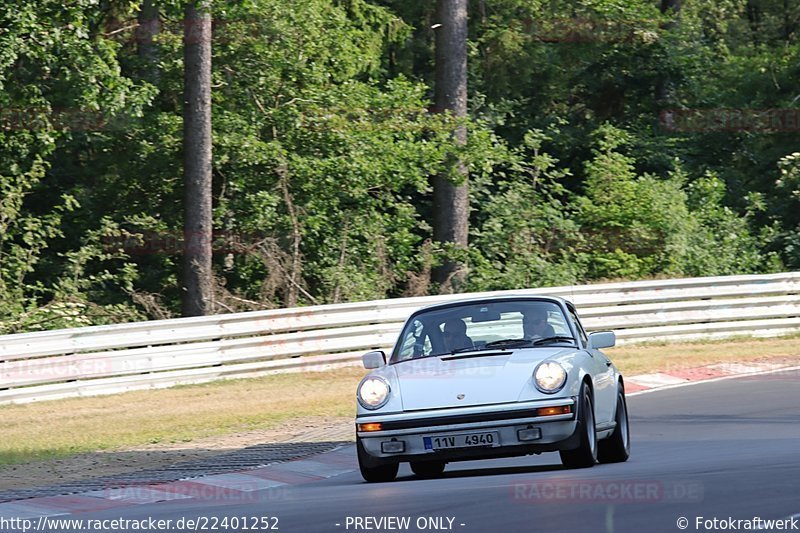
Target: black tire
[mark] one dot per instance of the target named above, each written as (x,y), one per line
(585,455)
(372,469)
(617,447)
(428,469)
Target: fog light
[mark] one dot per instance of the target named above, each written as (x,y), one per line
(529,434)
(393,446)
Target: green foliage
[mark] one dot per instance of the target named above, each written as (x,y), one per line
(56,81)
(321,161)
(788,186)
(637,225)
(643,226)
(526,237)
(324,146)
(721,241)
(23,237)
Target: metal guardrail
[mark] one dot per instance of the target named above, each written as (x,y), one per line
(110,359)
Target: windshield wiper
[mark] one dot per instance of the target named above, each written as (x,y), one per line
(502,343)
(555,338)
(508,343)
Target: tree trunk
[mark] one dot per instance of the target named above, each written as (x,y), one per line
(789,25)
(451,196)
(664,88)
(197,275)
(754,21)
(149,26)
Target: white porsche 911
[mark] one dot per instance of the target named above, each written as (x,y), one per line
(491,377)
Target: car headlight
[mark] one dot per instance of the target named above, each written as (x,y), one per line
(549,377)
(373,392)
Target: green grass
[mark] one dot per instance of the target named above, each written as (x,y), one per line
(65,427)
(658,357)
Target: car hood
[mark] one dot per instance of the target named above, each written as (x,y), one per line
(471,379)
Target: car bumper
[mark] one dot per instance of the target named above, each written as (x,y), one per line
(518,428)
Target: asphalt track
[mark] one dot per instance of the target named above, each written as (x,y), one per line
(724,449)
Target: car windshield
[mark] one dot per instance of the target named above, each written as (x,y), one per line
(478,326)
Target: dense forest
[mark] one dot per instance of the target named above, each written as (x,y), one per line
(607,139)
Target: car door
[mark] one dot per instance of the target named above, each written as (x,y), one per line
(602,372)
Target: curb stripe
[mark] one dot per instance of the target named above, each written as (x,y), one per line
(239,482)
(722,378)
(657,379)
(697,374)
(26,510)
(288,478)
(314,467)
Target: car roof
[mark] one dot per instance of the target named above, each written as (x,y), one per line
(484,299)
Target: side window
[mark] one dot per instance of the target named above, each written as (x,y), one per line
(415,343)
(577,324)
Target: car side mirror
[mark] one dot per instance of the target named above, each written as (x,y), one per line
(374,359)
(601,339)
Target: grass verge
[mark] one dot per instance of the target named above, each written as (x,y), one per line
(65,427)
(662,357)
(60,428)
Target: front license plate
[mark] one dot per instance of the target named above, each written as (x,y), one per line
(466,440)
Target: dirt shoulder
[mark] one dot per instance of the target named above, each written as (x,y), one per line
(153,456)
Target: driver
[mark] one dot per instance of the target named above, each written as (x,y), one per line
(455,335)
(534,325)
